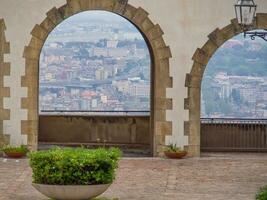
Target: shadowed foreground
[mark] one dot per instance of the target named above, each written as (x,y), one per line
(212,177)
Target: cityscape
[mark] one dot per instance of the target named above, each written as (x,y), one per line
(95,61)
(99,62)
(235,81)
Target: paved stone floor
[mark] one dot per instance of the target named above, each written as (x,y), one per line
(212,177)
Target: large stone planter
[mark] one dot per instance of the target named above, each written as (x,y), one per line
(69,192)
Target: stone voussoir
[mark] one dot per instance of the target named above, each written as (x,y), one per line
(139,16)
(31,53)
(154,33)
(261,20)
(217,37)
(54,16)
(123,8)
(201,57)
(193,81)
(163,53)
(74,6)
(147,24)
(39,32)
(236,26)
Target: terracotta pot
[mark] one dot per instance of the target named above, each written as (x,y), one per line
(175,155)
(15,154)
(71,192)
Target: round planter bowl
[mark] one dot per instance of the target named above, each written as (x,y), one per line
(71,192)
(175,155)
(15,154)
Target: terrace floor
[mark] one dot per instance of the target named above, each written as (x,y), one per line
(212,177)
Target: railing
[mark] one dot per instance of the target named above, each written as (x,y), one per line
(225,134)
(96,112)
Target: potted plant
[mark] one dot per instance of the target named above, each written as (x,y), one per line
(174,152)
(262,194)
(15,152)
(74,174)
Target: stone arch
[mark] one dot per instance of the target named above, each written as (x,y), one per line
(193,80)
(4,91)
(160,67)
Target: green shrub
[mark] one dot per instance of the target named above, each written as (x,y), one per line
(262,195)
(10,149)
(74,166)
(173,148)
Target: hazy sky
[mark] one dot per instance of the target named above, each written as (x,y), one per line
(97,15)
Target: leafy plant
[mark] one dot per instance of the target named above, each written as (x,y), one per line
(9,149)
(262,194)
(74,166)
(173,148)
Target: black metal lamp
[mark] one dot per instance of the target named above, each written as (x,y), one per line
(245,12)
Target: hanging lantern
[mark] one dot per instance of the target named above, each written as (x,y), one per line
(245,12)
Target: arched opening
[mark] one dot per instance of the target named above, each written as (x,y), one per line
(201,57)
(95,84)
(159,126)
(233,97)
